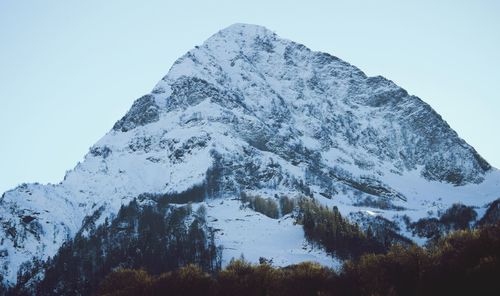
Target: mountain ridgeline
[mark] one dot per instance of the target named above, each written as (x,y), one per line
(251,145)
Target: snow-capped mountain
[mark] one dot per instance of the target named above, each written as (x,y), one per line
(270,117)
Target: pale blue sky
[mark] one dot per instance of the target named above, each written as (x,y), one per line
(70,69)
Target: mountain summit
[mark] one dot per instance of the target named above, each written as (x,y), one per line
(248,112)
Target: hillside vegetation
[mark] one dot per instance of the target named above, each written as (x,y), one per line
(466,262)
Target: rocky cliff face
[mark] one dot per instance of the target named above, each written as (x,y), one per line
(247,111)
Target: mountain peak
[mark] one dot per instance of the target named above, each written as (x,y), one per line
(241,38)
(245,30)
(248,111)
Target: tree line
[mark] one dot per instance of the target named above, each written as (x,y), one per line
(337,235)
(466,262)
(157,237)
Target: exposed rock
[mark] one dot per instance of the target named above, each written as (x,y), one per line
(143,111)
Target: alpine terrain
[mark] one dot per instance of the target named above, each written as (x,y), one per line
(244,135)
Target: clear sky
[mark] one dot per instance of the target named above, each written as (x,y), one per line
(69,69)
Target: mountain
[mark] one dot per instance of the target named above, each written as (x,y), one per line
(250,114)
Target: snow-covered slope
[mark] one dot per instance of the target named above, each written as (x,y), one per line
(271,117)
